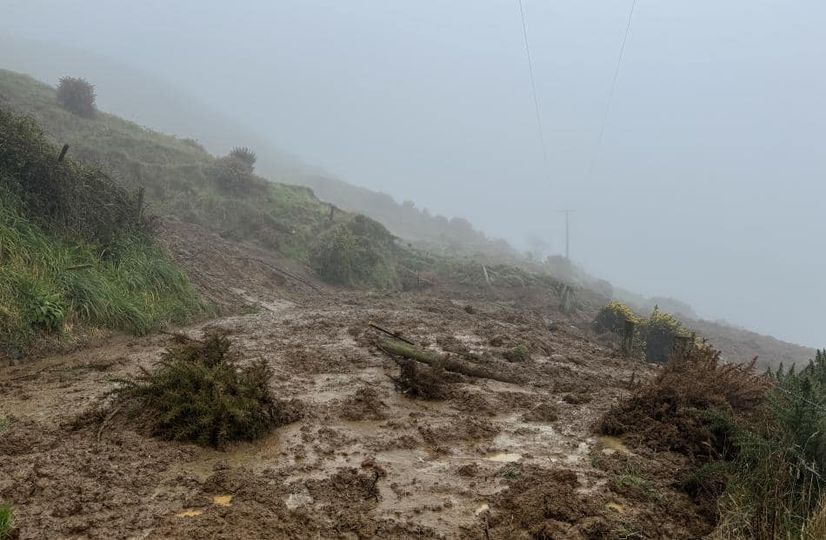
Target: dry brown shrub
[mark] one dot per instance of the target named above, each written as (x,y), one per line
(667,412)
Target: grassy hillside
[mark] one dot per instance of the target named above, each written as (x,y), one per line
(178,175)
(181,178)
(75,248)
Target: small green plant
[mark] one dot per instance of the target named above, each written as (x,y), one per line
(6,521)
(48,312)
(201,393)
(517,354)
(77,96)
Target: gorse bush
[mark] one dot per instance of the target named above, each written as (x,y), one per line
(360,252)
(776,489)
(660,332)
(612,318)
(77,95)
(656,336)
(200,393)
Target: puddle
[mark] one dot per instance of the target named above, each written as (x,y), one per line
(297,500)
(504,457)
(189,513)
(612,443)
(222,500)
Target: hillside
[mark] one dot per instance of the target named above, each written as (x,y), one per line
(76,251)
(345,383)
(180,178)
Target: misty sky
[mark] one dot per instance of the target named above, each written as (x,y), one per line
(712,177)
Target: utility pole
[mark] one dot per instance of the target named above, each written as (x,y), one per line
(567,235)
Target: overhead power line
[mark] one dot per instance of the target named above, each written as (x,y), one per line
(537,108)
(607,111)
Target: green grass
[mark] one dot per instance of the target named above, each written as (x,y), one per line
(75,248)
(49,284)
(777,488)
(179,177)
(6,521)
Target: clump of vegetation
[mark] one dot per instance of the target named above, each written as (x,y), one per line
(654,336)
(234,174)
(757,442)
(517,354)
(77,96)
(660,332)
(201,393)
(6,521)
(75,248)
(245,155)
(667,413)
(776,487)
(613,317)
(357,253)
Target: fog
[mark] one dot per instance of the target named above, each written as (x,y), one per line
(708,186)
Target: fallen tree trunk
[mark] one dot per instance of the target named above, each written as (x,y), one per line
(400,349)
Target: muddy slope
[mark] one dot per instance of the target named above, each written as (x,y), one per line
(491,460)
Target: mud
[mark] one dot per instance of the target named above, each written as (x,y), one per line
(490,460)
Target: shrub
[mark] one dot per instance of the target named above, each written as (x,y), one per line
(517,354)
(660,332)
(245,155)
(200,393)
(357,253)
(777,486)
(233,175)
(77,96)
(6,521)
(687,408)
(612,318)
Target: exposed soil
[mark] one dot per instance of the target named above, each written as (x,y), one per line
(490,460)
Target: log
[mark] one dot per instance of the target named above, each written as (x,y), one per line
(391,334)
(397,348)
